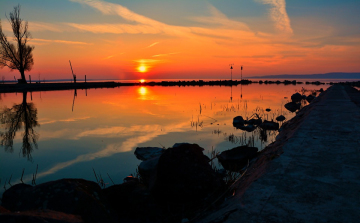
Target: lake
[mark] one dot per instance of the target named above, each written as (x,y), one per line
(76,132)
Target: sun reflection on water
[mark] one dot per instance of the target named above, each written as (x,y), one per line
(143,91)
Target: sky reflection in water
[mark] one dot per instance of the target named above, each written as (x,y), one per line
(107,125)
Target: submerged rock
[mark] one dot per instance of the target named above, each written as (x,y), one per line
(253,121)
(237,158)
(296,97)
(238,121)
(269,125)
(292,106)
(248,128)
(145,153)
(280,118)
(185,175)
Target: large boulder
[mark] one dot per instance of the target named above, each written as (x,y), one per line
(71,196)
(237,158)
(296,97)
(269,125)
(131,201)
(145,153)
(185,175)
(292,106)
(147,170)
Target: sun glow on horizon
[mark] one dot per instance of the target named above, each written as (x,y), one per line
(142,81)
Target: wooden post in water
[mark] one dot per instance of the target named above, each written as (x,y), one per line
(85,78)
(74,76)
(241,71)
(231,68)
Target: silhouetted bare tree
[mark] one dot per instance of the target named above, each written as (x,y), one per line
(13,119)
(16,57)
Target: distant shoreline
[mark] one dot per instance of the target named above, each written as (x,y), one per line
(12,88)
(334,75)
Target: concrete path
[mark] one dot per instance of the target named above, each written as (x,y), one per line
(316,178)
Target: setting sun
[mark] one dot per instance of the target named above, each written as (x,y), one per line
(142,68)
(142,81)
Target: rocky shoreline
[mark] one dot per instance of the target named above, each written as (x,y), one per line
(174,185)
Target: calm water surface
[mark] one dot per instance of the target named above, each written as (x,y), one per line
(100,128)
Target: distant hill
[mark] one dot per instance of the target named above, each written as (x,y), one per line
(337,75)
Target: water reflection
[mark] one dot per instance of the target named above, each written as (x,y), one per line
(102,131)
(142,91)
(23,115)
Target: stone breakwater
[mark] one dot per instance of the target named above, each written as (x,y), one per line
(310,173)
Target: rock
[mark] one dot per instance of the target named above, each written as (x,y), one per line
(131,201)
(70,196)
(280,118)
(269,125)
(147,170)
(248,128)
(296,97)
(184,144)
(145,153)
(237,158)
(292,106)
(253,121)
(222,172)
(39,216)
(130,178)
(268,109)
(238,121)
(184,175)
(309,98)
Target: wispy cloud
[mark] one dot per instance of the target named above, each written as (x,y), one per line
(279,15)
(44,41)
(146,61)
(116,28)
(37,26)
(108,57)
(164,54)
(151,45)
(145,25)
(218,18)
(46,121)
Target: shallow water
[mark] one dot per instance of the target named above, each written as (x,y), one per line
(100,128)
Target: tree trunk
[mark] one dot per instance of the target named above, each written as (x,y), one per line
(23,79)
(24,98)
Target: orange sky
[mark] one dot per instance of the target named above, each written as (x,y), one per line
(186,40)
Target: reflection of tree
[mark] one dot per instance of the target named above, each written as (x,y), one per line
(13,119)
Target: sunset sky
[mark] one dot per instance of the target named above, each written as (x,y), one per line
(188,39)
